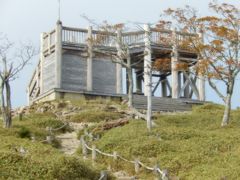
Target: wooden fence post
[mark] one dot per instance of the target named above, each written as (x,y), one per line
(136,166)
(91,137)
(84,149)
(155,171)
(94,153)
(103,175)
(114,155)
(165,175)
(49,139)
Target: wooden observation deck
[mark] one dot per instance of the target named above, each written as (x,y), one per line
(69,65)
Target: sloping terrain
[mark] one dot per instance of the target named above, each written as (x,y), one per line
(189,145)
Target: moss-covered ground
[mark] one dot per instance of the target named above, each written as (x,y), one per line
(191,146)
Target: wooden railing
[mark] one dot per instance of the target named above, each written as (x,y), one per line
(74,35)
(158,36)
(34,82)
(49,40)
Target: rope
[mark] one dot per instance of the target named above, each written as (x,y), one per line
(103,153)
(120,157)
(57,129)
(103,176)
(146,167)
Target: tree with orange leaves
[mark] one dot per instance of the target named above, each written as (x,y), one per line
(218,45)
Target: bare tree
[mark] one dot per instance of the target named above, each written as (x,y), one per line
(123,57)
(9,70)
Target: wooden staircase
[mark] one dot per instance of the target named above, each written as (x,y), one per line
(165,104)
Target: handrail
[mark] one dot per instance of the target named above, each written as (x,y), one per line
(159,36)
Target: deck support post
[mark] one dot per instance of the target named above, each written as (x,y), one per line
(148,74)
(58,54)
(174,62)
(118,65)
(186,90)
(164,87)
(89,60)
(138,82)
(201,78)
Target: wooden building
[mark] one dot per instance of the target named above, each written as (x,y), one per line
(70,68)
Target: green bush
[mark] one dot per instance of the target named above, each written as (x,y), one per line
(24,132)
(190,146)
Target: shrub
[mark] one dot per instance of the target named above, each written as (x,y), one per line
(24,132)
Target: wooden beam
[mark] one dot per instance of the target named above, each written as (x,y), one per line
(192,83)
(58,55)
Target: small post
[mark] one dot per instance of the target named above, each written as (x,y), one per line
(174,61)
(138,82)
(49,139)
(94,153)
(136,166)
(90,60)
(165,175)
(103,175)
(33,138)
(91,137)
(118,65)
(84,149)
(114,155)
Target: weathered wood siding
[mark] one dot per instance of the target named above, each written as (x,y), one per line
(74,72)
(49,72)
(104,76)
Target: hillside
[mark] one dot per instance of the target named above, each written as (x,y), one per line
(189,145)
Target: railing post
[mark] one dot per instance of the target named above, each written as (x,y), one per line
(201,78)
(155,171)
(136,166)
(118,65)
(58,54)
(90,60)
(174,61)
(165,175)
(84,148)
(94,153)
(114,155)
(103,175)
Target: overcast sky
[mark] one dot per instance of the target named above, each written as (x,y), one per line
(24,20)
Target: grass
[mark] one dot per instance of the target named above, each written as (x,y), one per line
(95,116)
(41,161)
(190,146)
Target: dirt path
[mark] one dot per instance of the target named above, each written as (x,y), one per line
(69,140)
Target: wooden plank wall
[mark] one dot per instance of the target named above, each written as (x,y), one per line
(74,72)
(104,75)
(49,72)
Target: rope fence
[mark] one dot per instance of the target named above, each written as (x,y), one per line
(137,163)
